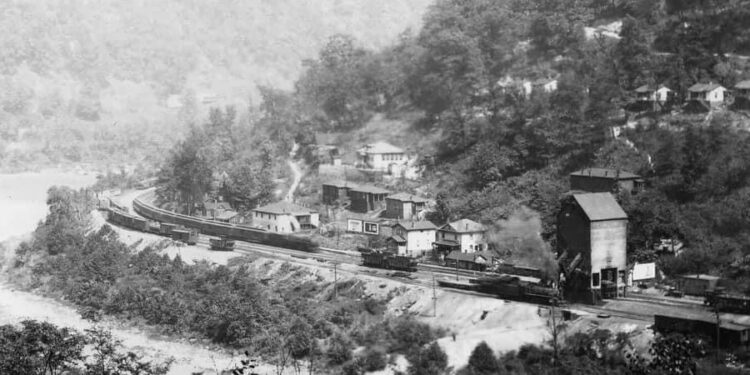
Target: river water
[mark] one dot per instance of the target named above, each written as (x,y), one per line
(22,206)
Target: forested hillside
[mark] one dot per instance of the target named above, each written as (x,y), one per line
(497,149)
(86,80)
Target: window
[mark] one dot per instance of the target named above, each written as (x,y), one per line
(595,279)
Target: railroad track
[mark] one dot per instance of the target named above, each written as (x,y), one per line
(423,277)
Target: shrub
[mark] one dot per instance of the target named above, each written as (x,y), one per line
(374,360)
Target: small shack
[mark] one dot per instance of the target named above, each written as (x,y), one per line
(468,261)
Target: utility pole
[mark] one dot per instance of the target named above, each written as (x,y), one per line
(335,282)
(434,297)
(456,269)
(718,328)
(553,303)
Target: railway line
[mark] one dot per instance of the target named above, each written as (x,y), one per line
(426,274)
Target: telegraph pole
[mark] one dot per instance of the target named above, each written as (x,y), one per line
(434,297)
(335,282)
(718,329)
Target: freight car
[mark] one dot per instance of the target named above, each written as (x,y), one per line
(236,232)
(389,261)
(222,243)
(726,302)
(124,219)
(513,288)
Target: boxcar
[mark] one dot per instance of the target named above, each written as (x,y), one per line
(187,236)
(222,243)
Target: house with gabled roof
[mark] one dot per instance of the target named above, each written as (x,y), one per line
(380,156)
(412,238)
(711,94)
(366,198)
(404,206)
(546,85)
(593,227)
(336,191)
(285,217)
(742,95)
(465,235)
(657,94)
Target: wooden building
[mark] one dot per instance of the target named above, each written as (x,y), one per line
(706,95)
(285,217)
(605,180)
(594,226)
(412,238)
(365,198)
(654,98)
(336,191)
(404,206)
(742,95)
(380,156)
(465,235)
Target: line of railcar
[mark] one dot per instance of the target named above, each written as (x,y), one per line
(229,231)
(385,260)
(177,233)
(507,287)
(723,301)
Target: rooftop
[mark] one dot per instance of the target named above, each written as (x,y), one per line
(226,215)
(701,277)
(600,206)
(381,148)
(704,87)
(416,225)
(340,184)
(606,173)
(370,189)
(464,226)
(284,207)
(650,88)
(405,197)
(464,257)
(743,85)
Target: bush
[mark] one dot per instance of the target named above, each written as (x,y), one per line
(339,349)
(374,360)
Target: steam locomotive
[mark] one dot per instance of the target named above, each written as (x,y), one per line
(389,261)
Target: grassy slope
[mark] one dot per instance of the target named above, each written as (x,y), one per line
(131,56)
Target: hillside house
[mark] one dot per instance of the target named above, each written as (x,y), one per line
(380,156)
(404,206)
(465,235)
(285,217)
(648,93)
(545,85)
(742,95)
(366,198)
(653,98)
(600,180)
(710,95)
(594,226)
(336,191)
(412,238)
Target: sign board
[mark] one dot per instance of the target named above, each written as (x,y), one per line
(644,271)
(353,225)
(371,228)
